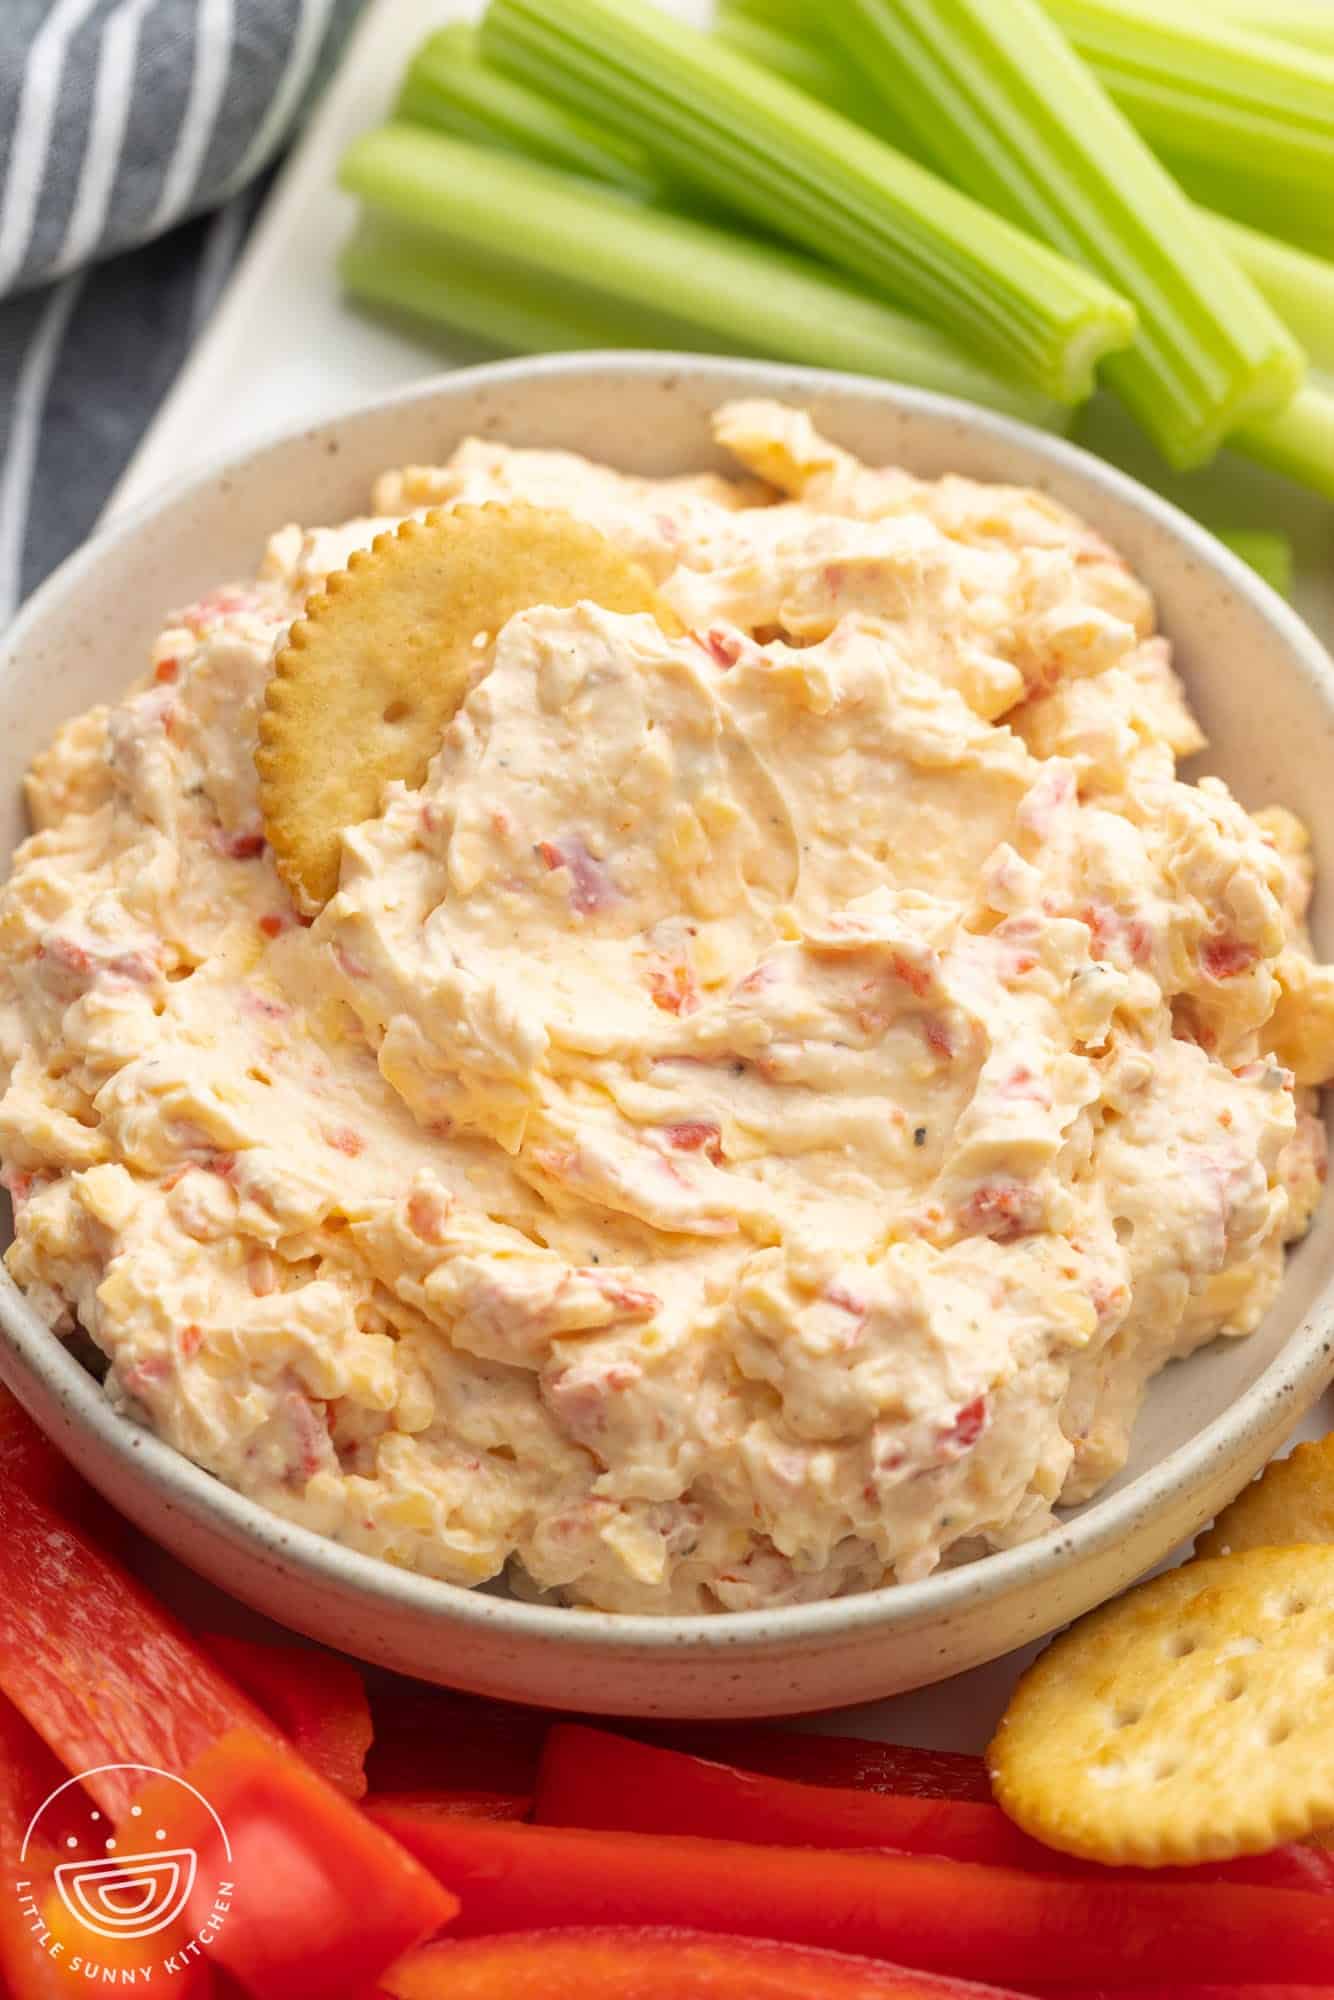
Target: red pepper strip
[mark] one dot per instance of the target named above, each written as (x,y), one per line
(466,1805)
(428,1739)
(990,1923)
(30,1462)
(591,1778)
(320,1899)
(850,1761)
(100,1670)
(655,1965)
(107,1678)
(316,1698)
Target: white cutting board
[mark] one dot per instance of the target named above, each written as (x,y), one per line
(283,348)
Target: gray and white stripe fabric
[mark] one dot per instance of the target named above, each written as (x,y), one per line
(136,138)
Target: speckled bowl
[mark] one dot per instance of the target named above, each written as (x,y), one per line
(1264,689)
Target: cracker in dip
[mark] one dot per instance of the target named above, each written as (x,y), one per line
(750,1125)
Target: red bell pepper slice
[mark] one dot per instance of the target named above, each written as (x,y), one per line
(106,1677)
(31,1463)
(854,1762)
(89,1656)
(976,1923)
(320,1900)
(668,1964)
(591,1778)
(317,1699)
(465,1805)
(1195,1992)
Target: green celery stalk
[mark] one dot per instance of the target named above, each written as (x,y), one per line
(1010,112)
(747,138)
(1245,121)
(410,271)
(1299,286)
(450,88)
(1214,113)
(1308,22)
(800,60)
(792,16)
(1269,554)
(592,245)
(1299,441)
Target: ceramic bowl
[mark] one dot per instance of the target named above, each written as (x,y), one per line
(1264,690)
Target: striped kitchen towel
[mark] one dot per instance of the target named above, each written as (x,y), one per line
(134,141)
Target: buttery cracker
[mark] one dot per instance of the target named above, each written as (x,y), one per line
(373,672)
(1189,1720)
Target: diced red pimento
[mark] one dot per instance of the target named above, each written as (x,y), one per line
(722,646)
(218,604)
(967,1427)
(917,978)
(1002,1210)
(345,1139)
(167,669)
(939,1037)
(1021,1084)
(241,846)
(1111,931)
(846,1301)
(673,987)
(65,953)
(272,924)
(591,887)
(1227,957)
(697,1135)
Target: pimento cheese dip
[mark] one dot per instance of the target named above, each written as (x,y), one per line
(748,1128)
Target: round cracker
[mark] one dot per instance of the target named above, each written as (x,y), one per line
(1291,1501)
(375,669)
(1189,1720)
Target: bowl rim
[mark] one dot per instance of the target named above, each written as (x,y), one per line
(40,1369)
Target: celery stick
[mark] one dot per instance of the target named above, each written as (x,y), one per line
(746,137)
(1234,112)
(1298,286)
(451,89)
(1269,554)
(410,271)
(734,291)
(1299,441)
(1011,113)
(800,60)
(792,16)
(1310,22)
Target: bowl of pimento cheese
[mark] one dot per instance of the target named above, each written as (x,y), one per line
(792,1162)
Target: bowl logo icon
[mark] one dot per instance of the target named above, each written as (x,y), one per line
(128,1895)
(124,1878)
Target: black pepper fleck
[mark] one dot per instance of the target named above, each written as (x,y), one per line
(919,1136)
